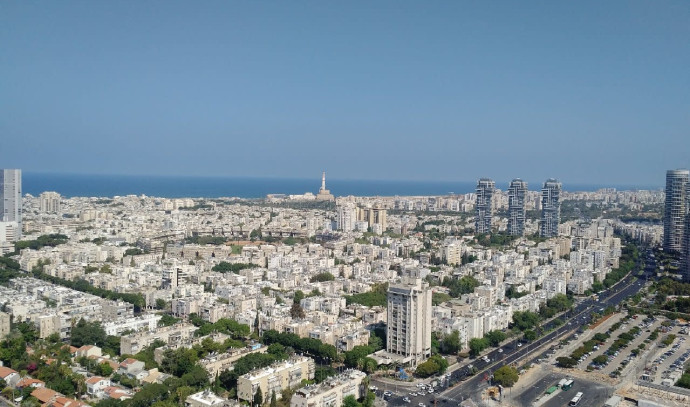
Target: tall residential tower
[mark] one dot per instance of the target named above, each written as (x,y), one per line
(516,207)
(11,198)
(484,206)
(675,209)
(550,208)
(409,320)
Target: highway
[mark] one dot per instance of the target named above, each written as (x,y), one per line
(470,386)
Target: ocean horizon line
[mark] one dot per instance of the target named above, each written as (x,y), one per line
(252,187)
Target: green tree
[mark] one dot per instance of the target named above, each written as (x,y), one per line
(530,335)
(451,343)
(298,297)
(506,376)
(566,362)
(87,333)
(495,337)
(258,398)
(321,277)
(274,401)
(477,345)
(350,401)
(161,304)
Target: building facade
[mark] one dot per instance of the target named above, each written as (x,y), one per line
(484,206)
(11,197)
(49,202)
(330,392)
(276,378)
(516,207)
(409,320)
(550,208)
(675,209)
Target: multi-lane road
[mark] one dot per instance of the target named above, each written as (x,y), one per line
(470,386)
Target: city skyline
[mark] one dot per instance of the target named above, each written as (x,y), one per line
(232,89)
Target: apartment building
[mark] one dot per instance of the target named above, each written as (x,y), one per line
(275,378)
(331,392)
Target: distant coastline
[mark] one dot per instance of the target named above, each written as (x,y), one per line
(71,185)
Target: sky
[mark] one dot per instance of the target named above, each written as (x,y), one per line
(586,91)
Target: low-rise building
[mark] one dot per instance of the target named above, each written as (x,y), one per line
(331,392)
(276,378)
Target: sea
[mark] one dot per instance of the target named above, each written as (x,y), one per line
(98,185)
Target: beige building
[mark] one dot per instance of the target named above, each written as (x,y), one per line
(132,344)
(275,378)
(331,392)
(4,324)
(373,216)
(409,320)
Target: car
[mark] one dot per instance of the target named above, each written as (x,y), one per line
(500,350)
(431,390)
(421,404)
(406,399)
(519,345)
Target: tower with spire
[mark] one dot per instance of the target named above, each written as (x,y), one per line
(324,194)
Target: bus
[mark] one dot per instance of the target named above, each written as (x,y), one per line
(576,400)
(567,385)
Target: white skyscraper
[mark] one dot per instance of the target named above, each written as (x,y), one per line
(675,209)
(409,320)
(11,197)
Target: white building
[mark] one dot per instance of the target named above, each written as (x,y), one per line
(331,392)
(11,198)
(409,320)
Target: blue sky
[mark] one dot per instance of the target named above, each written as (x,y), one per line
(587,91)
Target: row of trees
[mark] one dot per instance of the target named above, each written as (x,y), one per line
(378,296)
(313,347)
(225,267)
(460,286)
(137,300)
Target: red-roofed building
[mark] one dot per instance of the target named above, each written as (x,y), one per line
(10,376)
(30,382)
(96,385)
(44,394)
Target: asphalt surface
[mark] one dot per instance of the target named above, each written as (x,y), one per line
(461,386)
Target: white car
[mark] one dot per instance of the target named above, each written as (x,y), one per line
(413,394)
(421,404)
(431,390)
(519,345)
(406,399)
(500,350)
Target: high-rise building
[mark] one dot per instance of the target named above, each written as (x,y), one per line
(49,202)
(516,207)
(11,197)
(550,208)
(409,320)
(675,209)
(484,207)
(685,249)
(346,216)
(373,215)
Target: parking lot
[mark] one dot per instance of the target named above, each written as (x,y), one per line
(667,364)
(625,355)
